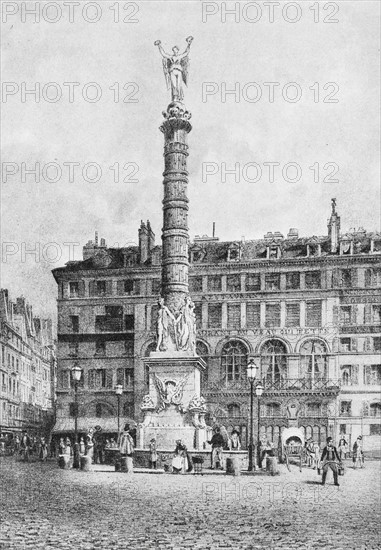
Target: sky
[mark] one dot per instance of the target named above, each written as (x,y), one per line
(306,98)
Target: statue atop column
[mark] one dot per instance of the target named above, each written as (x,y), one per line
(175,67)
(176,333)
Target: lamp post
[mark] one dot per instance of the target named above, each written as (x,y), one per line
(258,392)
(251,371)
(76,374)
(118,391)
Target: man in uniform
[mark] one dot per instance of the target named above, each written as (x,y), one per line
(330,459)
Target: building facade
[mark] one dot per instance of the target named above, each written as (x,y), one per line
(308,310)
(28,369)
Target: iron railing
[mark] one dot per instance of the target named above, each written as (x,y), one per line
(283,384)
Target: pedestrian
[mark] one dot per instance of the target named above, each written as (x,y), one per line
(153,453)
(67,450)
(82,447)
(126,449)
(330,459)
(234,441)
(43,455)
(358,455)
(343,447)
(181,462)
(315,456)
(17,444)
(267,450)
(61,446)
(25,446)
(217,443)
(90,444)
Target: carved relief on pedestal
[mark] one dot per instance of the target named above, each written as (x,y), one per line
(197,408)
(169,392)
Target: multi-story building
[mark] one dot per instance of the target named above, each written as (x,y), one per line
(307,309)
(27,368)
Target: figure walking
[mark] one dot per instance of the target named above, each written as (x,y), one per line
(358,455)
(330,459)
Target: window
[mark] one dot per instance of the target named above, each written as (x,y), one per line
(125,377)
(272,281)
(292,314)
(349,375)
(128,286)
(253,315)
(214,315)
(345,408)
(373,277)
(100,347)
(376,315)
(195,284)
(292,280)
(214,283)
(198,315)
(100,378)
(376,343)
(313,314)
(98,410)
(100,288)
(273,409)
(272,315)
(74,323)
(154,316)
(74,289)
(346,278)
(234,316)
(273,362)
(73,409)
(313,409)
(375,429)
(345,344)
(312,279)
(345,315)
(372,375)
(253,282)
(234,361)
(234,410)
(73,349)
(375,409)
(313,360)
(128,409)
(233,283)
(129,348)
(129,322)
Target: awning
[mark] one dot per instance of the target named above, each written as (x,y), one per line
(85,423)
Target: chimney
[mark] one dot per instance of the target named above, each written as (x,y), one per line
(293,233)
(96,238)
(143,242)
(151,238)
(334,228)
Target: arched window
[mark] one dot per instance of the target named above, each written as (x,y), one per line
(273,363)
(234,410)
(234,361)
(313,360)
(375,409)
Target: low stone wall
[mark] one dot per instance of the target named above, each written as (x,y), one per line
(142,458)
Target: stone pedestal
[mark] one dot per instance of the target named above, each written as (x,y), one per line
(173,408)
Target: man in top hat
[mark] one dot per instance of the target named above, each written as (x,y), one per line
(358,456)
(330,459)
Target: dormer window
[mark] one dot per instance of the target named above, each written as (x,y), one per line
(273,251)
(346,248)
(234,253)
(197,254)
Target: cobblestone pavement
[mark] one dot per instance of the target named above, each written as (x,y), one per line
(43,507)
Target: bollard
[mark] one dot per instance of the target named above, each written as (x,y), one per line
(233,466)
(86,463)
(272,466)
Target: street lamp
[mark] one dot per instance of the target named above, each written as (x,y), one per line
(258,393)
(76,372)
(251,372)
(118,391)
